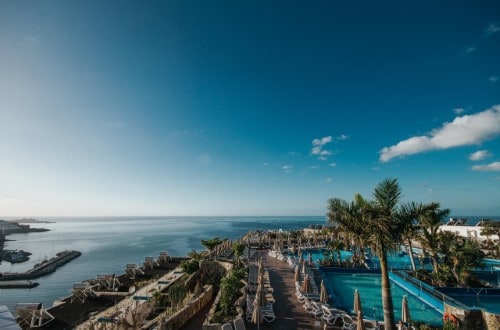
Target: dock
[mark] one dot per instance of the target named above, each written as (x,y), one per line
(22,284)
(43,268)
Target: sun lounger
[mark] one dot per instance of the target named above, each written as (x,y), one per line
(330,316)
(316,310)
(227,326)
(239,324)
(348,323)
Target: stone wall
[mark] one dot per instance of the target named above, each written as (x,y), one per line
(467,319)
(186,313)
(491,320)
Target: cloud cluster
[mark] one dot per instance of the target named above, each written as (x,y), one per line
(479,155)
(318,146)
(464,130)
(495,166)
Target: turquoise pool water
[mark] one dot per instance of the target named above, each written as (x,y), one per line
(368,286)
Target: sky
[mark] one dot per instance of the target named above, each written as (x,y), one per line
(246,107)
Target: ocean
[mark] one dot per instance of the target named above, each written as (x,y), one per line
(109,243)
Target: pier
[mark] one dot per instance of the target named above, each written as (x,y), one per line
(22,284)
(43,268)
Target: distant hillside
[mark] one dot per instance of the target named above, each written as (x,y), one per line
(29,220)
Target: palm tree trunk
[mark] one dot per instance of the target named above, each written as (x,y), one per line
(386,294)
(412,259)
(435,262)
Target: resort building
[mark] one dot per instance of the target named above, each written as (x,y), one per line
(459,227)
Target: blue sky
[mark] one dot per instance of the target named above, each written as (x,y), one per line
(246,108)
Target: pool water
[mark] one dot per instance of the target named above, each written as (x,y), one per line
(369,289)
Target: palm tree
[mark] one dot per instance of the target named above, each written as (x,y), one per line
(335,246)
(211,244)
(429,221)
(385,233)
(351,221)
(238,249)
(376,224)
(408,215)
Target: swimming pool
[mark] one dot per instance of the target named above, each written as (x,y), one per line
(368,285)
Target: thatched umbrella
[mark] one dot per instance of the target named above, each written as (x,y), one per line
(357,302)
(306,285)
(405,311)
(360,324)
(256,315)
(323,295)
(297,274)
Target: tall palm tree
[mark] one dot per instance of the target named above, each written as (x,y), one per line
(375,223)
(385,229)
(429,221)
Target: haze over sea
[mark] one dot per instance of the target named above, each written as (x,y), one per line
(109,243)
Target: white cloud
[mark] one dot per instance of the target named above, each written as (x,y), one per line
(458,111)
(495,166)
(287,168)
(318,147)
(332,164)
(465,130)
(322,141)
(343,137)
(328,180)
(493,79)
(479,155)
(314,167)
(492,29)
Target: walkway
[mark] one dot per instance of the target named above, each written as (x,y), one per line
(289,312)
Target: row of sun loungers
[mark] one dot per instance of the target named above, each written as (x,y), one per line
(267,312)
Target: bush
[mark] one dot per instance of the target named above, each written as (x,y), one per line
(190,266)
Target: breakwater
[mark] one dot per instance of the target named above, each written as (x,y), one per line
(23,284)
(43,268)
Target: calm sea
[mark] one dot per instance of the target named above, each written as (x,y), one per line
(109,243)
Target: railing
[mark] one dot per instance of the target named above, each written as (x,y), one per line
(426,292)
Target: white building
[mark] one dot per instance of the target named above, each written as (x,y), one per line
(457,227)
